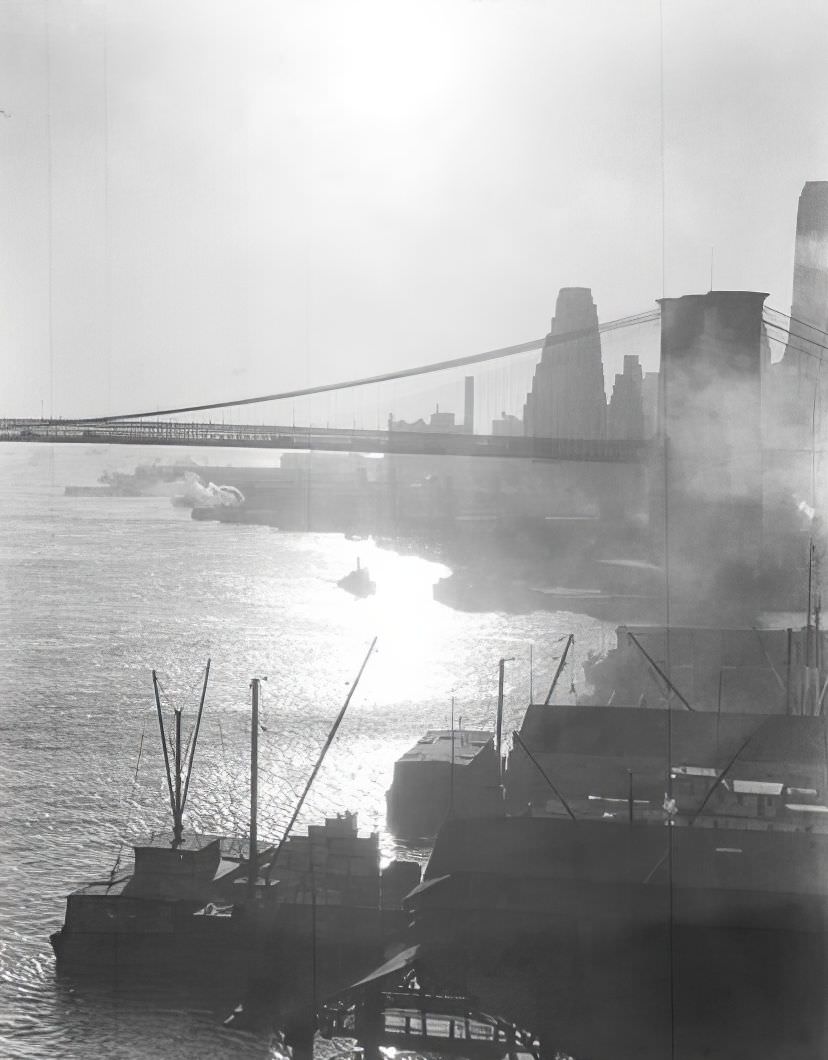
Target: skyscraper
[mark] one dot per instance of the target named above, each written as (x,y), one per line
(625,415)
(810,283)
(567,399)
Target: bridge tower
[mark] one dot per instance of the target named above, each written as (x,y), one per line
(710,412)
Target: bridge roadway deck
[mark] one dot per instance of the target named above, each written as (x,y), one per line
(328,439)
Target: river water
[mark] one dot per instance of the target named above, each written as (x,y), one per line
(95,593)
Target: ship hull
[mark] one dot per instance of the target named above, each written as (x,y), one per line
(636,942)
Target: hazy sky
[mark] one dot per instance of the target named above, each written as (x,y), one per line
(210,200)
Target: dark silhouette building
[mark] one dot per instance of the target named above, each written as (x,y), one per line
(625,414)
(795,394)
(567,399)
(809,306)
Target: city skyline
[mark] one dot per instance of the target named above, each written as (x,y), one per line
(204,204)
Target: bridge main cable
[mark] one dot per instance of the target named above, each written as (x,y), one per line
(387,377)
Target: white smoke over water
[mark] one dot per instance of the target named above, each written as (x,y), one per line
(196,495)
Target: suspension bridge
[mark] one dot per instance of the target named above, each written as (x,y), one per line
(176,426)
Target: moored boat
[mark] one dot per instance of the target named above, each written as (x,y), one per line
(681,893)
(243,913)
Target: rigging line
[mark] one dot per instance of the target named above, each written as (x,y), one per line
(664,676)
(802,338)
(788,343)
(440,366)
(542,772)
(319,762)
(726,770)
(796,320)
(199,680)
(163,740)
(117,864)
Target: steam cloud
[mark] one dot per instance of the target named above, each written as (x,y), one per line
(197,495)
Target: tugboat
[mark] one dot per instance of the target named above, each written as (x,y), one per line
(358,582)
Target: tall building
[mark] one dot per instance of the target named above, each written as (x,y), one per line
(567,399)
(796,390)
(625,415)
(810,282)
(649,399)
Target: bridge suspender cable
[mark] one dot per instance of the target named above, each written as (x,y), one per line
(796,320)
(801,338)
(385,377)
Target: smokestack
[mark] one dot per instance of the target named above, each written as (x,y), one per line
(468,408)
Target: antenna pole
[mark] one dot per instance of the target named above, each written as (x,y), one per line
(163,741)
(178,827)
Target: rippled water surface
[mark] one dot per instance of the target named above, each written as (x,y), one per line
(95,592)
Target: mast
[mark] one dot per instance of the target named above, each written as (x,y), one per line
(569,642)
(253,867)
(178,826)
(451,775)
(788,673)
(499,737)
(807,703)
(163,742)
(178,798)
(817,615)
(810,600)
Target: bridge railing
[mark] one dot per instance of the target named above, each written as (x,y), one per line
(175,432)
